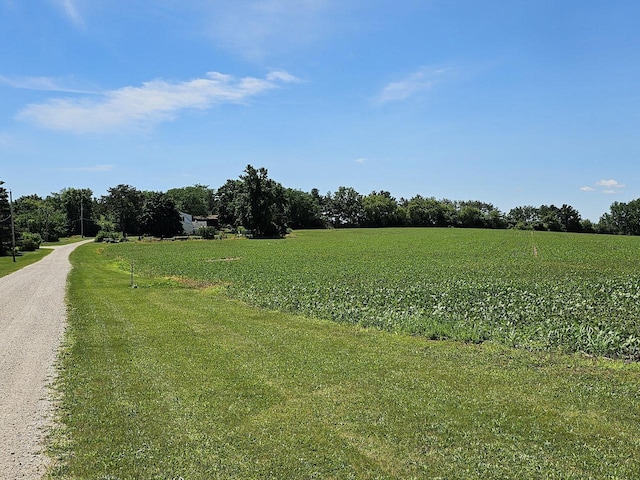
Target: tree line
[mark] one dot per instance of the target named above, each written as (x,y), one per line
(266,208)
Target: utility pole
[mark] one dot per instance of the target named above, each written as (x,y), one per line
(81,219)
(13,228)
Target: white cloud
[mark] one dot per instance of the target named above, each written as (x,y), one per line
(610,187)
(281,75)
(149,104)
(420,81)
(361,160)
(610,184)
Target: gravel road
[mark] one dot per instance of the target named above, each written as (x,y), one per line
(32,322)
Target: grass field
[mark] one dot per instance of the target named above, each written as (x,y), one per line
(536,290)
(175,380)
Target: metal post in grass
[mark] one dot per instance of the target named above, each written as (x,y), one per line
(131,273)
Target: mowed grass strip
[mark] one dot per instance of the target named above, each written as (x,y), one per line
(7,265)
(167,381)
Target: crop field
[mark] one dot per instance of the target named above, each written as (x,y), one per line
(536,290)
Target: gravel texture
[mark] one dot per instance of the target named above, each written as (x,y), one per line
(32,323)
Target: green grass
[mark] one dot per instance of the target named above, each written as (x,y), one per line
(172,381)
(7,265)
(541,291)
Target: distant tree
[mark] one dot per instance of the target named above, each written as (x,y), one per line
(587,226)
(570,219)
(303,210)
(346,208)
(550,218)
(78,205)
(623,218)
(478,214)
(124,205)
(523,217)
(195,200)
(470,216)
(380,210)
(426,212)
(228,202)
(40,216)
(160,217)
(262,204)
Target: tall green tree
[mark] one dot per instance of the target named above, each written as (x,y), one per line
(196,200)
(303,210)
(124,205)
(45,217)
(160,217)
(623,218)
(262,204)
(228,199)
(78,205)
(346,209)
(380,210)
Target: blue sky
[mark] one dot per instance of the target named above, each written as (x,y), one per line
(511,102)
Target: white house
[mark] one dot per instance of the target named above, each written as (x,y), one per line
(187,223)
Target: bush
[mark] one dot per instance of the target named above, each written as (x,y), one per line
(29,242)
(109,237)
(208,233)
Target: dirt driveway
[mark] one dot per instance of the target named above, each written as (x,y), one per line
(32,322)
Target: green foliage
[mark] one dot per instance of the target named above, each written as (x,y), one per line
(29,242)
(160,217)
(623,218)
(541,290)
(109,237)
(261,204)
(345,208)
(42,216)
(208,233)
(196,200)
(380,210)
(123,205)
(303,210)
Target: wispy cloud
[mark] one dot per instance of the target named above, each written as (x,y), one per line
(418,82)
(257,28)
(70,9)
(605,186)
(361,160)
(48,84)
(149,104)
(94,168)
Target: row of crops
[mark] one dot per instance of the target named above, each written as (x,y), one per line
(534,290)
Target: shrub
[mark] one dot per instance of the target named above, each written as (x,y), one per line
(109,237)
(29,242)
(208,233)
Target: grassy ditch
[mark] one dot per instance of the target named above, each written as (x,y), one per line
(175,380)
